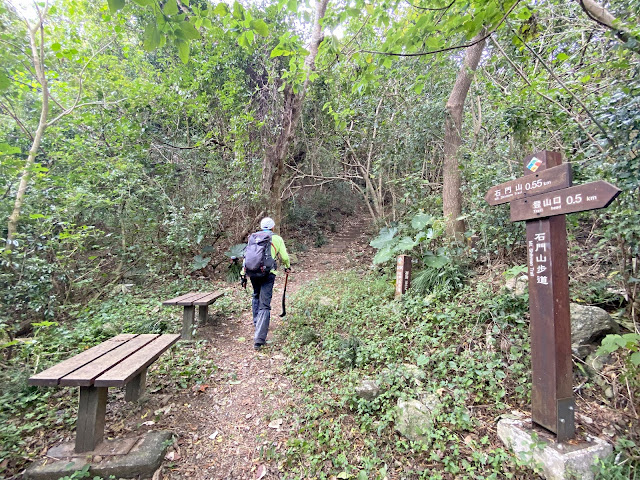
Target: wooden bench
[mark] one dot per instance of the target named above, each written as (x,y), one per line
(190,300)
(122,360)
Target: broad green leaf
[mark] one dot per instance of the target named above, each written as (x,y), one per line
(238,11)
(170,8)
(422,360)
(635,358)
(561,57)
(6,149)
(421,220)
(143,3)
(189,30)
(151,37)
(383,256)
(221,9)
(115,5)
(250,36)
(434,43)
(436,261)
(384,238)
(405,244)
(242,40)
(260,27)
(200,262)
(55,46)
(183,51)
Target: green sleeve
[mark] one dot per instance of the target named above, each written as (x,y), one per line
(280,250)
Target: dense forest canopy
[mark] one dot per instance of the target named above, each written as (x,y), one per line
(142,134)
(140,140)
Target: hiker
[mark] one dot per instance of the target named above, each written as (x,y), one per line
(260,266)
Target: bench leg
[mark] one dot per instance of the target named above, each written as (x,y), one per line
(202,315)
(91,418)
(136,387)
(187,322)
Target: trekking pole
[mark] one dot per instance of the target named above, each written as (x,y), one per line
(286,279)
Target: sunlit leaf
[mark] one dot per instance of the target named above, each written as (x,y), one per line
(260,27)
(183,51)
(115,5)
(170,8)
(151,37)
(189,30)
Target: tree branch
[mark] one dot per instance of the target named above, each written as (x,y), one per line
(557,79)
(546,97)
(75,104)
(432,9)
(603,17)
(448,49)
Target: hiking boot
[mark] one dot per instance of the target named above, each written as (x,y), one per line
(258,346)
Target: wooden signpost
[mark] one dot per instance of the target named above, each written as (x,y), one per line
(542,197)
(403,274)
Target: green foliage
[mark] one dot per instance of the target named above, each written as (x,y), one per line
(452,347)
(629,342)
(619,465)
(419,238)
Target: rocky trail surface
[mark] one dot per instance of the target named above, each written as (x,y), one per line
(231,427)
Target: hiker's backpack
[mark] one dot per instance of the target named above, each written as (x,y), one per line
(258,261)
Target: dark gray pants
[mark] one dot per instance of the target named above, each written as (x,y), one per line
(261,306)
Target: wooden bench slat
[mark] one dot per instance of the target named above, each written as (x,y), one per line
(51,376)
(209,298)
(85,375)
(194,298)
(136,363)
(174,301)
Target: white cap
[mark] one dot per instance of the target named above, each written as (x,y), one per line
(267,223)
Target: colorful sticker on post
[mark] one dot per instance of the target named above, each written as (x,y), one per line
(534,164)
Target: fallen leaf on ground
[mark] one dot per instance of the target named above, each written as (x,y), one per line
(262,471)
(149,423)
(275,423)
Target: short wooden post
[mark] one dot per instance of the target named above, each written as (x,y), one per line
(202,314)
(91,418)
(403,275)
(187,322)
(135,387)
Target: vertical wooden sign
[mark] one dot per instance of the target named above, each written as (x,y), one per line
(403,274)
(542,197)
(552,404)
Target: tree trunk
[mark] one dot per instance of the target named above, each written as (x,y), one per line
(451,180)
(602,16)
(274,159)
(38,61)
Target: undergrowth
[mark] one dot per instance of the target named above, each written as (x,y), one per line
(470,351)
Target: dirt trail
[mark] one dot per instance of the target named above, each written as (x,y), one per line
(223,428)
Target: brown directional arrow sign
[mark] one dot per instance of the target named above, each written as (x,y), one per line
(544,181)
(588,196)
